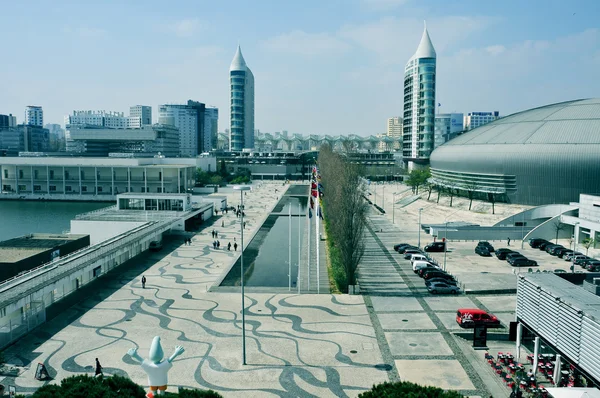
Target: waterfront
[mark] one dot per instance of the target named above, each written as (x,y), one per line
(20,217)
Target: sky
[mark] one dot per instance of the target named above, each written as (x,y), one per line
(320,66)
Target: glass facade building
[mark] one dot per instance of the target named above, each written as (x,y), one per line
(419,103)
(241,82)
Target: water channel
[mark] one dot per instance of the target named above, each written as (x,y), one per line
(266,256)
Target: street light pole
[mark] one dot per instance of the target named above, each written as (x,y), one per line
(445,244)
(383,197)
(575,231)
(419,241)
(242,188)
(522,228)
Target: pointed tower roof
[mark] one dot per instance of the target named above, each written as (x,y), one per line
(425,49)
(238,62)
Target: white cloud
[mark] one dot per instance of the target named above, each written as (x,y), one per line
(383,4)
(495,49)
(306,44)
(185,27)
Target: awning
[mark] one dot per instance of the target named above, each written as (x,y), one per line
(574,392)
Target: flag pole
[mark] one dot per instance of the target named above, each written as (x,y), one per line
(308,245)
(290,247)
(318,209)
(299,244)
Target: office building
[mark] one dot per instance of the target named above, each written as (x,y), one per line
(241,134)
(142,113)
(211,128)
(393,131)
(115,120)
(145,141)
(477,119)
(7,121)
(447,126)
(57,137)
(419,104)
(34,116)
(24,138)
(539,156)
(189,119)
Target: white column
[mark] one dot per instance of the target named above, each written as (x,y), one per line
(185,186)
(290,247)
(64,181)
(112,180)
(519,336)
(536,351)
(308,244)
(17,178)
(557,365)
(318,210)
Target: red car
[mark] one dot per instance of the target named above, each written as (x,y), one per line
(471,317)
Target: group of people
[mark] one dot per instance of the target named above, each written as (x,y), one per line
(187,241)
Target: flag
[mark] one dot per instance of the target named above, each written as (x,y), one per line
(313,193)
(313,185)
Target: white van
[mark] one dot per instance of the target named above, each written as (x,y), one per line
(422,264)
(418,257)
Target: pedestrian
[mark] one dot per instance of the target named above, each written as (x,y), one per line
(216,212)
(218,244)
(507,241)
(234,238)
(216,234)
(212,233)
(222,223)
(229,246)
(244,224)
(235,246)
(98,368)
(143,282)
(214,244)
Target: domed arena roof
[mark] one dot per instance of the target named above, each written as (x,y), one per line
(539,156)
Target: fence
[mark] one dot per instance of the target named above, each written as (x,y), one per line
(15,327)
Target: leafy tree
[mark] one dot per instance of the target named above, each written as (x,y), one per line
(202,177)
(408,390)
(587,243)
(417,178)
(223,169)
(216,180)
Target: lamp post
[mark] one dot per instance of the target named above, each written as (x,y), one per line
(522,228)
(383,197)
(394,206)
(419,241)
(446,236)
(242,188)
(575,233)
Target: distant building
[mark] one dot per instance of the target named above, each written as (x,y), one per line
(34,116)
(57,137)
(476,119)
(394,131)
(189,119)
(147,140)
(139,115)
(24,138)
(242,104)
(7,121)
(115,120)
(447,126)
(211,128)
(419,104)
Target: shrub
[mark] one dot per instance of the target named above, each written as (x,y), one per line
(407,390)
(185,393)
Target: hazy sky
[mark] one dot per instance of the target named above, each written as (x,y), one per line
(320,66)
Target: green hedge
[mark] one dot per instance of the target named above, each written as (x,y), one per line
(406,389)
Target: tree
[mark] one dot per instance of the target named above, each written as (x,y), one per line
(223,169)
(587,243)
(407,389)
(451,194)
(216,180)
(471,187)
(493,200)
(417,178)
(202,177)
(429,187)
(557,226)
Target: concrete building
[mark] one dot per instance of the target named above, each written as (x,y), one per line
(115,120)
(140,115)
(211,128)
(419,104)
(34,116)
(477,119)
(93,179)
(394,131)
(189,119)
(242,104)
(24,138)
(7,121)
(586,225)
(447,126)
(57,137)
(539,156)
(147,140)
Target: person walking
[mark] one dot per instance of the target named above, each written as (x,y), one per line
(214,244)
(229,246)
(235,246)
(218,244)
(98,371)
(143,282)
(222,223)
(244,224)
(507,241)
(212,233)
(216,234)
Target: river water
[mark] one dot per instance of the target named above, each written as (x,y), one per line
(21,217)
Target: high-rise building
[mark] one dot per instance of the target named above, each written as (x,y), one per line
(447,126)
(7,121)
(211,128)
(24,138)
(242,104)
(476,119)
(190,121)
(34,116)
(139,115)
(419,104)
(394,131)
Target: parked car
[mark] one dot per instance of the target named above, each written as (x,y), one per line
(550,248)
(560,271)
(535,242)
(401,245)
(437,274)
(569,257)
(448,281)
(435,247)
(417,265)
(580,259)
(513,259)
(403,249)
(523,262)
(408,253)
(422,270)
(513,254)
(585,262)
(441,287)
(486,244)
(483,251)
(155,246)
(501,253)
(560,252)
(471,317)
(542,246)
(593,266)
(418,257)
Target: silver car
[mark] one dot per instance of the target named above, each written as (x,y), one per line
(441,287)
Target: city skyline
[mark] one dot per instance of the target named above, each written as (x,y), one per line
(323,68)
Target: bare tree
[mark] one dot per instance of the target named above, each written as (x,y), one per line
(471,187)
(492,199)
(451,194)
(587,243)
(429,187)
(557,226)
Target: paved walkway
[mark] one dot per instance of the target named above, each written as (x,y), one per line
(297,345)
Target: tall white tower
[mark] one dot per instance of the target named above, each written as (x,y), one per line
(241,79)
(34,116)
(419,104)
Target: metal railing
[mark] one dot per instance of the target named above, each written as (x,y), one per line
(17,287)
(89,213)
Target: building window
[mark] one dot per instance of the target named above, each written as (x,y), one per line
(35,174)
(51,174)
(68,188)
(52,188)
(66,174)
(83,188)
(22,187)
(6,188)
(5,173)
(20,173)
(3,312)
(159,189)
(37,187)
(99,189)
